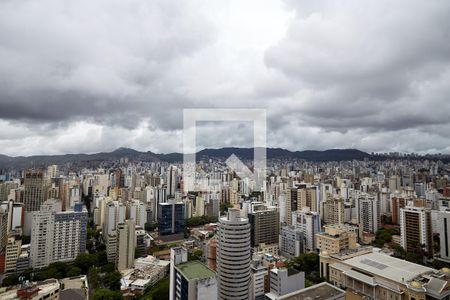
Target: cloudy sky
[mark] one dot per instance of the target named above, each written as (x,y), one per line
(88,76)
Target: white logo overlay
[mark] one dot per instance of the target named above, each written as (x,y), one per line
(196,180)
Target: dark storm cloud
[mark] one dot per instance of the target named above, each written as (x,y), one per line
(367,64)
(89,76)
(108,61)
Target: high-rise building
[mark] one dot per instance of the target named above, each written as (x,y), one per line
(309,224)
(264,224)
(7,189)
(190,280)
(397,204)
(137,212)
(369,218)
(300,197)
(292,241)
(52,171)
(113,214)
(16,219)
(126,245)
(291,203)
(233,257)
(57,235)
(394,183)
(333,210)
(3,229)
(12,254)
(337,238)
(419,188)
(35,191)
(415,229)
(171,181)
(43,234)
(171,218)
(282,208)
(70,233)
(443,226)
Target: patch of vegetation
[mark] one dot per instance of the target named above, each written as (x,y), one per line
(105,294)
(202,220)
(384,235)
(224,207)
(159,291)
(195,255)
(417,255)
(308,263)
(151,226)
(84,264)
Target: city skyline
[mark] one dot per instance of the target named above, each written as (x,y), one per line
(229,150)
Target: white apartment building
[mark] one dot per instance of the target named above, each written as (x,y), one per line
(57,235)
(309,224)
(233,257)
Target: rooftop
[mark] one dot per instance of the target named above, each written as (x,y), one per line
(321,291)
(386,266)
(195,270)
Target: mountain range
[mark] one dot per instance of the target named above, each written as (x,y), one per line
(36,161)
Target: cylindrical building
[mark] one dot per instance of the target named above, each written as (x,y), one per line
(234,257)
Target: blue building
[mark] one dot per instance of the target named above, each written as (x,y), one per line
(171,218)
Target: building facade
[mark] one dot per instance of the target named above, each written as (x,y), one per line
(265,226)
(337,238)
(415,229)
(309,223)
(233,257)
(443,226)
(171,218)
(291,242)
(35,190)
(57,235)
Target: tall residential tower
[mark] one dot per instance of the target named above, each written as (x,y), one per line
(234,257)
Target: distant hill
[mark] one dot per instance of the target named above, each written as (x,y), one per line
(36,161)
(311,155)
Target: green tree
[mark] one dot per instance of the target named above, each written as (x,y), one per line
(105,294)
(47,273)
(384,235)
(108,268)
(195,255)
(10,280)
(73,271)
(150,226)
(308,263)
(399,252)
(224,207)
(84,261)
(101,258)
(112,280)
(92,233)
(160,291)
(93,278)
(89,246)
(201,220)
